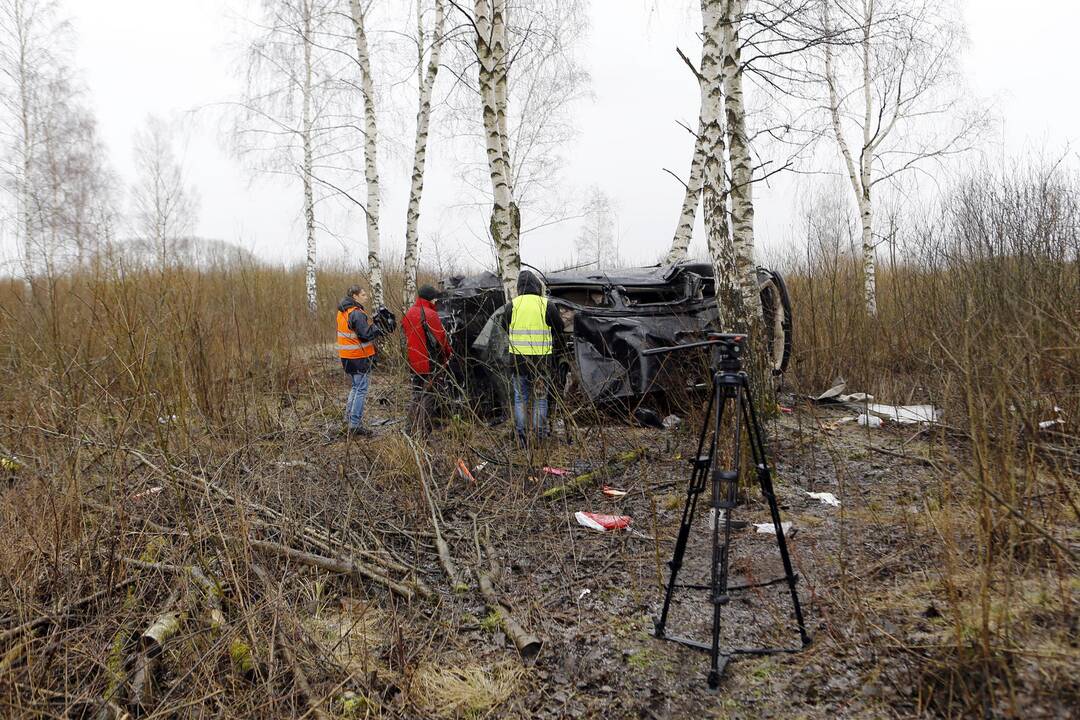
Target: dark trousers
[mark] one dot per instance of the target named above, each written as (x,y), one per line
(423,405)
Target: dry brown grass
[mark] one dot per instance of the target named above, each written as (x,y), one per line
(978,315)
(453,689)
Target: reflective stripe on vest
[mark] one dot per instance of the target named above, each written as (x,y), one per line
(348,344)
(529,331)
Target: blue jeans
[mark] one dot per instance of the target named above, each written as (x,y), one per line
(354,406)
(528,383)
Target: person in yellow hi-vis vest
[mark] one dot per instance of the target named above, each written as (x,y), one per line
(533,326)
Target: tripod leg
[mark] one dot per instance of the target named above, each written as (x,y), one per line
(701,465)
(724,488)
(757,446)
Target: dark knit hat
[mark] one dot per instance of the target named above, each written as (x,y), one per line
(427,292)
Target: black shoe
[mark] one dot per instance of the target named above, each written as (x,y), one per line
(360,431)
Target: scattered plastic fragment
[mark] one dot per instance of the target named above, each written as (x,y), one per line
(480,467)
(770,529)
(145,494)
(612,492)
(835,394)
(825,498)
(672,421)
(166,419)
(785,410)
(463,471)
(835,424)
(1059,420)
(603,523)
(556,471)
(583,593)
(869,420)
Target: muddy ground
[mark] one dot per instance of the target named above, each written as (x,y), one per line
(870,576)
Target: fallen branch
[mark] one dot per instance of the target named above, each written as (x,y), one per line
(441,546)
(527,644)
(343,567)
(151,644)
(615,466)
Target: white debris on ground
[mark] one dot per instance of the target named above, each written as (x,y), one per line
(869,420)
(1059,420)
(825,497)
(906,414)
(770,529)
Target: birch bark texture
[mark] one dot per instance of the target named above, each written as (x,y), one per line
(423,119)
(371,170)
(714,184)
(306,172)
(742,198)
(489,17)
(861,179)
(684,229)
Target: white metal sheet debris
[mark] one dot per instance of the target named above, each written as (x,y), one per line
(906,414)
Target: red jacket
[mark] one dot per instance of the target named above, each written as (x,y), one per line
(415,342)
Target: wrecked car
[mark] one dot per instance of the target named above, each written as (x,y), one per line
(609,319)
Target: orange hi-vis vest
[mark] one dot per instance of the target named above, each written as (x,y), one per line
(348,344)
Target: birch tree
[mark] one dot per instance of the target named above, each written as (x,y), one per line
(426,84)
(28,31)
(714,183)
(596,238)
(163,208)
(742,198)
(529,77)
(491,52)
(282,124)
(684,228)
(898,107)
(371,170)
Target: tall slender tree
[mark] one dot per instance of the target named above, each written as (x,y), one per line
(163,208)
(426,83)
(371,144)
(891,84)
(714,186)
(489,19)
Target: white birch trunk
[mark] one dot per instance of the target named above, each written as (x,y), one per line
(306,172)
(371,171)
(742,199)
(865,157)
(423,117)
(861,178)
(684,230)
(721,249)
(491,49)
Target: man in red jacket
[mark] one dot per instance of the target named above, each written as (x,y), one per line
(428,351)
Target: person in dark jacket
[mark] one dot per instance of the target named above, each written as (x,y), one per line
(356,335)
(533,326)
(428,351)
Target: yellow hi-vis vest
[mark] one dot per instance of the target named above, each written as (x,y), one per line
(529,331)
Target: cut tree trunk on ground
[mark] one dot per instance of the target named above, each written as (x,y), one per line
(584,480)
(527,644)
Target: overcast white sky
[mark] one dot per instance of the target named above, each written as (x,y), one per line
(153,56)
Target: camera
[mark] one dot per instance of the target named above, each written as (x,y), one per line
(385,320)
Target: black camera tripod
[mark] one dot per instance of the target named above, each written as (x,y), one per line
(730,385)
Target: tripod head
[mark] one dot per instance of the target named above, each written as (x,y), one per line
(728,349)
